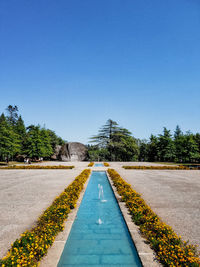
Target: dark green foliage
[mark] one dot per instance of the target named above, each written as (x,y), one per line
(182,148)
(153,148)
(95,153)
(54,139)
(9,140)
(17,142)
(38,143)
(113,143)
(166,148)
(143,150)
(20,129)
(12,114)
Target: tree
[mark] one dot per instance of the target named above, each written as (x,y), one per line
(9,142)
(123,146)
(54,139)
(166,150)
(34,142)
(20,130)
(143,150)
(47,150)
(152,148)
(178,143)
(105,134)
(190,151)
(38,143)
(104,139)
(116,142)
(12,114)
(197,140)
(178,132)
(96,153)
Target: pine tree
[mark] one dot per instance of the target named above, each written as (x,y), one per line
(152,149)
(12,114)
(9,142)
(178,143)
(20,129)
(47,150)
(117,142)
(34,143)
(166,146)
(38,143)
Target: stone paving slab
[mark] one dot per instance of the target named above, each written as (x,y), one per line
(174,196)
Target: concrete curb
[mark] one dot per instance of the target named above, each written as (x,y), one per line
(146,254)
(55,251)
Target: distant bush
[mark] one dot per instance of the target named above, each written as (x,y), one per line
(169,248)
(33,245)
(156,167)
(106,164)
(33,167)
(91,164)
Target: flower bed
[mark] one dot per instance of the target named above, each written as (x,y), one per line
(30,167)
(106,164)
(156,167)
(169,248)
(33,245)
(91,164)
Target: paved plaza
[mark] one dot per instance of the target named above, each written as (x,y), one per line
(25,194)
(173,195)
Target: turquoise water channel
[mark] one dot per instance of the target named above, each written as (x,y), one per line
(99,236)
(98,165)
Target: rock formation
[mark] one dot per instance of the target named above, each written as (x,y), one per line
(72,151)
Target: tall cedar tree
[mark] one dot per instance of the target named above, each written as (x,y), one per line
(116,141)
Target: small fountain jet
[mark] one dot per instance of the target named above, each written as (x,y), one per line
(101,195)
(99,221)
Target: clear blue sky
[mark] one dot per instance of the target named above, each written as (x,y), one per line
(71,65)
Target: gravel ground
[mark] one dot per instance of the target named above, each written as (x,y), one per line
(173,195)
(24,195)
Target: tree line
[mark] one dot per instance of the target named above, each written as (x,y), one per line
(18,141)
(166,147)
(114,143)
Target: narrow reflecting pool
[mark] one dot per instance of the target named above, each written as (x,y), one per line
(99,236)
(98,165)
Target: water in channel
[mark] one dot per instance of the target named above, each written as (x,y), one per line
(99,236)
(98,165)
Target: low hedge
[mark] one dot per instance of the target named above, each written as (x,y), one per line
(169,248)
(106,164)
(31,167)
(33,245)
(91,164)
(156,167)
